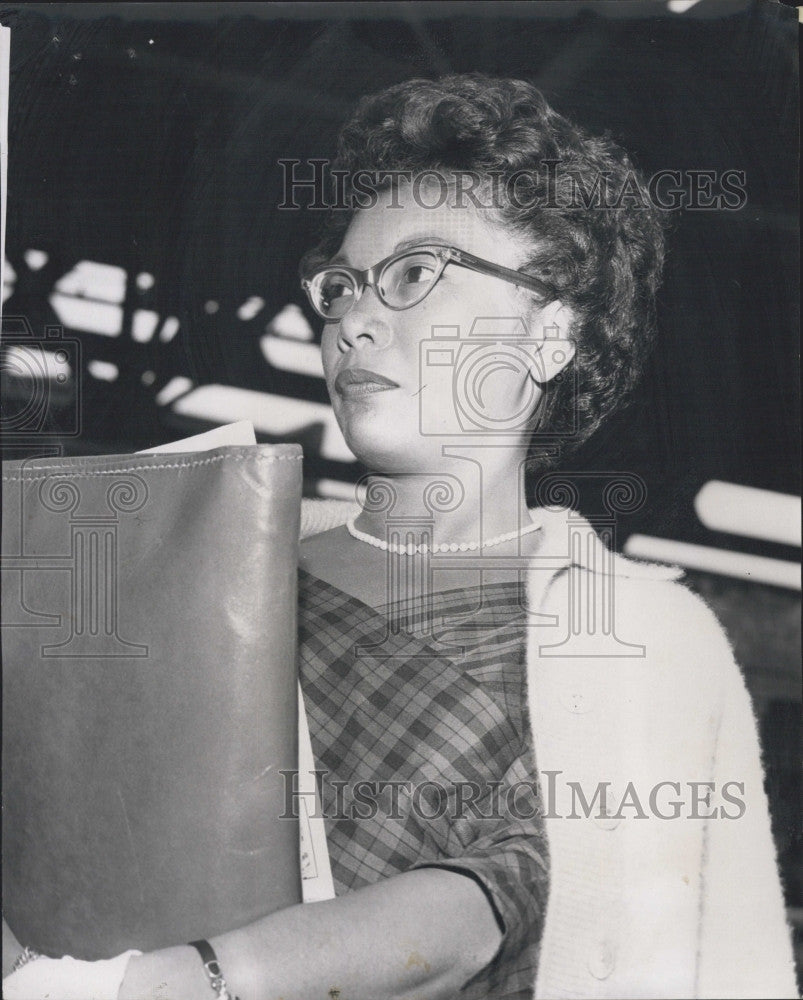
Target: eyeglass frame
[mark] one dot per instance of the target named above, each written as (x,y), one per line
(446,254)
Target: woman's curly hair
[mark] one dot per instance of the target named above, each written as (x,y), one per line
(604,260)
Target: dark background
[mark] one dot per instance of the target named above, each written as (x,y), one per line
(162,157)
(147,136)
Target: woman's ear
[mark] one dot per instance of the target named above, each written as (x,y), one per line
(551,339)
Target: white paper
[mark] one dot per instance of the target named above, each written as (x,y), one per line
(316,871)
(240,433)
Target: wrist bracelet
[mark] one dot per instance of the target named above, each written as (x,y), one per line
(212,969)
(26,955)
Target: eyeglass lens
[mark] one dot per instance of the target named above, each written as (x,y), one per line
(402,283)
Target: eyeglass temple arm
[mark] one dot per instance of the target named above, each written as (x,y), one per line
(497,271)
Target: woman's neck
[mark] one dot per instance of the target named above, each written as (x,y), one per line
(468,500)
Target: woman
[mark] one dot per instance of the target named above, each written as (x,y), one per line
(490,713)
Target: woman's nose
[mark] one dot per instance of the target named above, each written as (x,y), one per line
(364,325)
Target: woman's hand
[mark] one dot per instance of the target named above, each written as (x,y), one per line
(67,979)
(423,933)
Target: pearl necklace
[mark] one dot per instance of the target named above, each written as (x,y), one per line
(412,550)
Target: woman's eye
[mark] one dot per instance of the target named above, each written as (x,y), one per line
(417,273)
(336,290)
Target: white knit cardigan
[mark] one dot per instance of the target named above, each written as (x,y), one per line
(628,699)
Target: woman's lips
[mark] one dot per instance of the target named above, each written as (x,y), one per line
(353,382)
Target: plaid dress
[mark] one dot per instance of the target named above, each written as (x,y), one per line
(418,721)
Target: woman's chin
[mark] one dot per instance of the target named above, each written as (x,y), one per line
(383,452)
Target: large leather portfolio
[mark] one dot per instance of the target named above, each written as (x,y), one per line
(149,696)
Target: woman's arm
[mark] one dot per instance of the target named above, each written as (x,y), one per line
(421,934)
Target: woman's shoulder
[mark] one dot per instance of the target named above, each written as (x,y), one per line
(652,600)
(678,627)
(680,637)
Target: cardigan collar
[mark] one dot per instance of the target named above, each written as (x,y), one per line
(568,540)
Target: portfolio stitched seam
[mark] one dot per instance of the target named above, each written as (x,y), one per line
(84,473)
